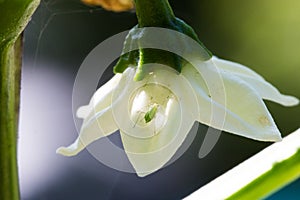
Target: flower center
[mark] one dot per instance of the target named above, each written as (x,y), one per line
(150,106)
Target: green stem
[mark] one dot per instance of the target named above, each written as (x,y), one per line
(280,175)
(14,16)
(259,176)
(10,97)
(155,13)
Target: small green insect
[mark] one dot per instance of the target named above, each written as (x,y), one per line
(151,113)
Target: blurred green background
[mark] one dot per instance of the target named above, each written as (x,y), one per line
(262,34)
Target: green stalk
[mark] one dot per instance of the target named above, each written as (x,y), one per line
(279,176)
(14,16)
(259,176)
(10,73)
(154,13)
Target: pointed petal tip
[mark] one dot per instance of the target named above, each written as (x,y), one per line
(142,174)
(290,100)
(276,138)
(71,150)
(64,151)
(83,111)
(140,170)
(273,136)
(285,100)
(67,151)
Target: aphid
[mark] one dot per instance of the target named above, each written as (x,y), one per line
(151,113)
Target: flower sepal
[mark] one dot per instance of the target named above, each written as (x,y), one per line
(158,14)
(136,53)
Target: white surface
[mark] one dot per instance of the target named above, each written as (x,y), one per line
(247,171)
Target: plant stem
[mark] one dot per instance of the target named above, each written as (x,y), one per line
(259,176)
(155,13)
(280,175)
(14,16)
(10,72)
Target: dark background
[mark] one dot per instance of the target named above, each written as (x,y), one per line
(262,34)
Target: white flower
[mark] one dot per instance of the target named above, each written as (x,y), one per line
(155,115)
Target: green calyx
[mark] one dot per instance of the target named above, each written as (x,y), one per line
(156,13)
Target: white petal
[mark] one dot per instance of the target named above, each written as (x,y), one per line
(100,125)
(264,89)
(148,155)
(146,149)
(101,98)
(242,112)
(235,68)
(98,119)
(164,76)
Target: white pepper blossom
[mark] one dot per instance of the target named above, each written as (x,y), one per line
(154,115)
